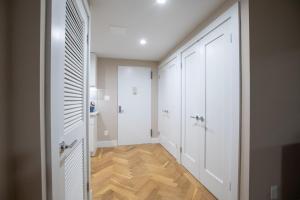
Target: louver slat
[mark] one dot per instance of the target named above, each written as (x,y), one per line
(74,68)
(74,174)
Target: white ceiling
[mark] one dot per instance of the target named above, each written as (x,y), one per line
(118,25)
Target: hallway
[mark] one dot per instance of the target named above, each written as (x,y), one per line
(142,172)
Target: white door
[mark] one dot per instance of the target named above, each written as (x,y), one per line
(221,110)
(193,114)
(169,107)
(134,100)
(211,110)
(67,105)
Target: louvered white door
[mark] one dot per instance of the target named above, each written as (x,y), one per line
(68,108)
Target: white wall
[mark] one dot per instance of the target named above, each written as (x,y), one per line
(108,80)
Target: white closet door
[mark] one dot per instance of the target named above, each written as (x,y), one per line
(68,105)
(169,107)
(193,109)
(221,94)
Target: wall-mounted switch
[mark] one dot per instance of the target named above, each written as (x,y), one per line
(106,133)
(274,192)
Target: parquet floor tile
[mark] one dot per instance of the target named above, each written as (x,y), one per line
(142,172)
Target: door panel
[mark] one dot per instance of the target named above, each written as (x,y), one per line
(169,107)
(68,105)
(219,121)
(134,99)
(193,109)
(74,168)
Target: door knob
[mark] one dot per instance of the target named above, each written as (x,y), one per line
(165,111)
(198,118)
(63,146)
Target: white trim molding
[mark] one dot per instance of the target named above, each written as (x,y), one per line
(155,140)
(107,143)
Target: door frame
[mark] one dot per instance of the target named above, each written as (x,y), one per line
(117,142)
(47,14)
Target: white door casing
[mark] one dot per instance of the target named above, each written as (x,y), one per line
(134,101)
(67,103)
(93,134)
(169,107)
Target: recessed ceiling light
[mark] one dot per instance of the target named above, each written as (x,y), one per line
(143,41)
(161,1)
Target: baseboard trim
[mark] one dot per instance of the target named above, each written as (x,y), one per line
(155,140)
(107,143)
(114,143)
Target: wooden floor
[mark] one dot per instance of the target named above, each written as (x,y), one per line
(142,172)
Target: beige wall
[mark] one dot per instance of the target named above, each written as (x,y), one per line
(108,80)
(275,93)
(3,100)
(24,102)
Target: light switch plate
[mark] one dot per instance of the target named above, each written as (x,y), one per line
(106,133)
(274,192)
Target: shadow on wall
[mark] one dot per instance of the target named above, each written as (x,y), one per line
(291,172)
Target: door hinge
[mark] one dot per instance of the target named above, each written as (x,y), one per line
(151,133)
(231,38)
(88,186)
(230,186)
(151,75)
(180,149)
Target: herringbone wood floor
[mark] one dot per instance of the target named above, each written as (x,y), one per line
(142,172)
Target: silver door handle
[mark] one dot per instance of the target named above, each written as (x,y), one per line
(120,109)
(63,146)
(198,118)
(165,111)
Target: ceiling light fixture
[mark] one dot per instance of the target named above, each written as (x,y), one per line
(161,1)
(143,41)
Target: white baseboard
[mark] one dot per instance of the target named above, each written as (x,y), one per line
(108,143)
(155,140)
(114,143)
